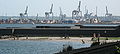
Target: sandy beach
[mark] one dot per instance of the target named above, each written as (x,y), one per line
(70,39)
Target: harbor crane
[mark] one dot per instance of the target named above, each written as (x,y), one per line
(87,15)
(25,13)
(47,14)
(37,16)
(61,14)
(107,14)
(96,12)
(77,13)
(95,19)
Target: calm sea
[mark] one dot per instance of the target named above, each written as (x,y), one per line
(35,47)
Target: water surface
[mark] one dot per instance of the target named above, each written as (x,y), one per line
(35,47)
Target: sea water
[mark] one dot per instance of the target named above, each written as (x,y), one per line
(35,47)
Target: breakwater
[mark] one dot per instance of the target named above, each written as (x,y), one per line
(62,31)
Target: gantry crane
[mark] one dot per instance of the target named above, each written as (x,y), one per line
(77,13)
(61,14)
(87,15)
(23,15)
(107,13)
(47,14)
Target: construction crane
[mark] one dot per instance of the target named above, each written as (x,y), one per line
(77,13)
(107,14)
(47,14)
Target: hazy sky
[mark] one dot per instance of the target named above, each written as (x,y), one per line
(14,7)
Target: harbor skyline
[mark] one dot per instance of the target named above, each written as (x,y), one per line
(59,27)
(15,7)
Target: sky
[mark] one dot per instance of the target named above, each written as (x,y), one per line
(14,7)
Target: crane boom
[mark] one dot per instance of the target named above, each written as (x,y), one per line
(96,10)
(60,11)
(79,5)
(51,8)
(106,10)
(26,10)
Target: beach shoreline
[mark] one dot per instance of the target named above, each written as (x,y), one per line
(70,39)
